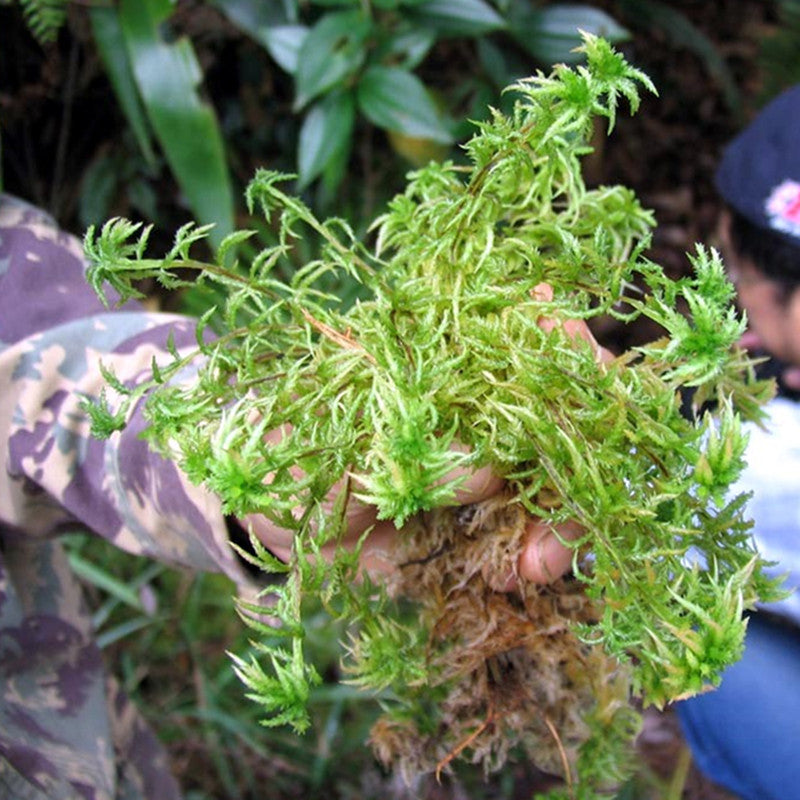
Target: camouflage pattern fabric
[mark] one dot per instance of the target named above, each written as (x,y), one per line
(66,731)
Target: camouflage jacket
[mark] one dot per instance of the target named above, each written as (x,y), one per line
(65,730)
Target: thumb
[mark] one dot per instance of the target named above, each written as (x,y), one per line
(545,557)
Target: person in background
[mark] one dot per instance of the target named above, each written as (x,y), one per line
(745,735)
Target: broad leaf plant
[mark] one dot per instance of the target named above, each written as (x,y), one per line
(443,367)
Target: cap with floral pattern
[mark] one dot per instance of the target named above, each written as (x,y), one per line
(759,175)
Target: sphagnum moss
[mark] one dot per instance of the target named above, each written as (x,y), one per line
(446,365)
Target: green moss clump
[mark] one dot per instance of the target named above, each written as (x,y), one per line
(444,365)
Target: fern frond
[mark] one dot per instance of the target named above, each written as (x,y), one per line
(44,18)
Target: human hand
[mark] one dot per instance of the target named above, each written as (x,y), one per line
(576,329)
(362,518)
(544,557)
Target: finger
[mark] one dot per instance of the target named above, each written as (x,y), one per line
(358,518)
(376,551)
(479,484)
(542,292)
(544,557)
(276,539)
(376,557)
(791,378)
(574,328)
(578,329)
(750,340)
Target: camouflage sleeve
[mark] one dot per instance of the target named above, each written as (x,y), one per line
(54,334)
(66,732)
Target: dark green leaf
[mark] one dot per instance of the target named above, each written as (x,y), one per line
(407,48)
(143,198)
(269,26)
(110,42)
(283,43)
(494,63)
(252,16)
(44,18)
(332,176)
(167,76)
(396,100)
(326,129)
(98,187)
(459,17)
(332,50)
(551,34)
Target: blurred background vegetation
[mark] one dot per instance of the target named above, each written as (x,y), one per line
(161,111)
(184,100)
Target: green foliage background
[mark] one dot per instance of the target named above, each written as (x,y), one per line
(348,65)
